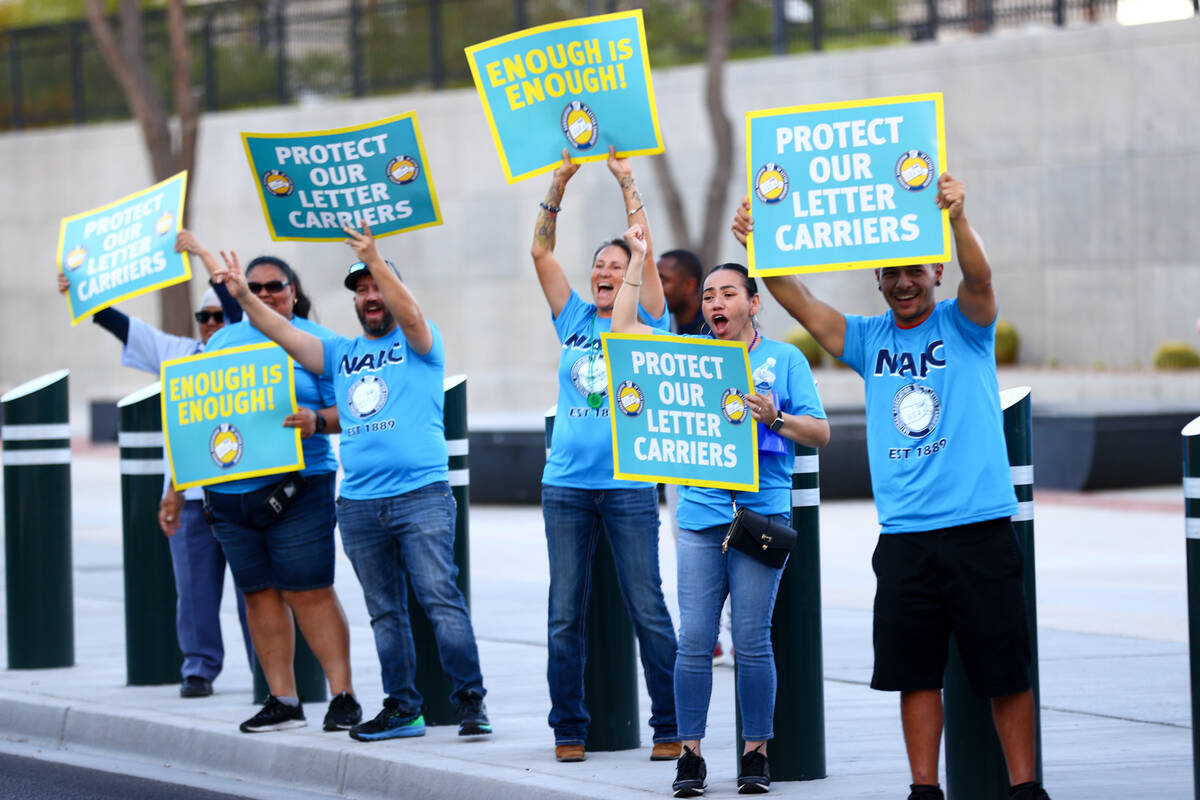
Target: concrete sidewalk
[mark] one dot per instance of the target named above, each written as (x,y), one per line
(1114,671)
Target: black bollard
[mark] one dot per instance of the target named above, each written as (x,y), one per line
(797,753)
(37,523)
(610,682)
(1191,508)
(975,768)
(152,654)
(431,680)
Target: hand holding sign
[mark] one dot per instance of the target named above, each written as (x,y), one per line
(951,195)
(363,244)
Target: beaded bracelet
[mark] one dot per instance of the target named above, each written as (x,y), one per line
(553,209)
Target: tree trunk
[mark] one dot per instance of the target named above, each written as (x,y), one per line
(715,211)
(127,60)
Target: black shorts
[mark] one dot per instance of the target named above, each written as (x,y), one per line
(964,580)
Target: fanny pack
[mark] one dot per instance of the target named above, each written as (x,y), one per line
(763,538)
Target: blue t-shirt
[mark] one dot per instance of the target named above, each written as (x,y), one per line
(935,432)
(311,392)
(389,400)
(581,446)
(780,367)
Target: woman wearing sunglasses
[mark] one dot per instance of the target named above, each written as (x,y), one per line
(579,493)
(786,406)
(196,557)
(277,533)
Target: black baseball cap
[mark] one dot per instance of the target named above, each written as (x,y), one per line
(358,268)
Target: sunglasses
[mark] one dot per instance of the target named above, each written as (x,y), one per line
(204,316)
(274,287)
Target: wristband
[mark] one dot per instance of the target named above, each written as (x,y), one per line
(321,423)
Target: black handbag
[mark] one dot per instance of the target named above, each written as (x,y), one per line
(761,537)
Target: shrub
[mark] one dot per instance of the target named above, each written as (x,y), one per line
(1176,355)
(805,343)
(1008,342)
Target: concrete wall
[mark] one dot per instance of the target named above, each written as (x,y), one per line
(1079,149)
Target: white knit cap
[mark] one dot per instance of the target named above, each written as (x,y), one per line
(209,299)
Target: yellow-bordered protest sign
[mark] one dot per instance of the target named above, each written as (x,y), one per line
(678,411)
(312,183)
(124,248)
(223,415)
(847,185)
(583,84)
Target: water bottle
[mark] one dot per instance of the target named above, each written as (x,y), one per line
(764,380)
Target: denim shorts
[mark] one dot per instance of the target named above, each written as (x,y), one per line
(293,552)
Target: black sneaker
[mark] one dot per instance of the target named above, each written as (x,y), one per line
(690,773)
(195,686)
(1027,791)
(472,715)
(754,776)
(343,714)
(923,791)
(275,716)
(390,723)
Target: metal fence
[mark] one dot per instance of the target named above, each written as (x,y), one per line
(248,53)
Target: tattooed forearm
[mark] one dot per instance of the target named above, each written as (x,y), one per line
(544,233)
(629,187)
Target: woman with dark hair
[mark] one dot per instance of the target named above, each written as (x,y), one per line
(579,493)
(277,534)
(786,406)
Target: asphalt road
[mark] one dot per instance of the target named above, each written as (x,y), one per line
(37,779)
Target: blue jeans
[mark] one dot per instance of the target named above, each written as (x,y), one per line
(199,567)
(390,542)
(706,576)
(630,517)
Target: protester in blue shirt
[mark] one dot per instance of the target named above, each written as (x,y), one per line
(947,560)
(395,509)
(277,533)
(579,493)
(786,402)
(196,558)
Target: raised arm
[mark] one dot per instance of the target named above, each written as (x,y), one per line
(651,297)
(550,273)
(624,315)
(396,296)
(826,324)
(976,300)
(300,345)
(186,240)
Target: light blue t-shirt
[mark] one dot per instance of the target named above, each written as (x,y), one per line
(389,400)
(935,432)
(774,366)
(581,446)
(311,392)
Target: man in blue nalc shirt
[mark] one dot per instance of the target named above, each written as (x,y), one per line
(395,508)
(947,560)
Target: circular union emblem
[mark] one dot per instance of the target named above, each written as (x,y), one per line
(225,445)
(278,183)
(590,375)
(733,406)
(579,125)
(367,396)
(770,183)
(630,399)
(916,410)
(163,224)
(76,257)
(403,170)
(914,170)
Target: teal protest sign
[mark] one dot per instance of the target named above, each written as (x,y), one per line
(679,413)
(223,415)
(583,84)
(314,183)
(850,185)
(123,249)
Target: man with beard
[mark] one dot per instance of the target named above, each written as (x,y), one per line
(395,509)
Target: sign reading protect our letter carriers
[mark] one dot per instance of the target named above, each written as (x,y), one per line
(314,183)
(223,415)
(679,413)
(123,249)
(850,185)
(583,84)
